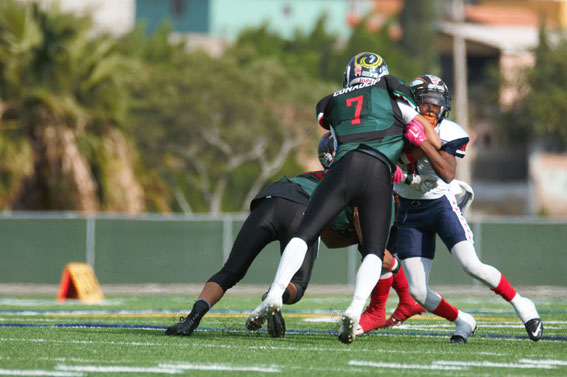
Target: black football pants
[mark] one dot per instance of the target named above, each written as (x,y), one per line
(272,219)
(357,179)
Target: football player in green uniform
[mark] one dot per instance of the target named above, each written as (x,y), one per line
(369,118)
(275,216)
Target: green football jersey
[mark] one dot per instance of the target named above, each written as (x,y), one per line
(367,116)
(299,189)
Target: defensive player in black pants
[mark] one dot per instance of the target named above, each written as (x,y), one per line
(275,216)
(368,118)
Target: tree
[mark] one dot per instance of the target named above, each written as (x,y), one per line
(541,111)
(64,88)
(546,100)
(418,20)
(311,52)
(202,120)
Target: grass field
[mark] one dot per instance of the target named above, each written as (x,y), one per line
(125,336)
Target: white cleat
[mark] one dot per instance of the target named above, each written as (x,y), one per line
(268,307)
(465,326)
(526,310)
(358,331)
(349,325)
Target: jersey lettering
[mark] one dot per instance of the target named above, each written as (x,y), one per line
(355,87)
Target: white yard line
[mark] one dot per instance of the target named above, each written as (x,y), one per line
(462,365)
(544,362)
(191,345)
(379,364)
(490,364)
(38,372)
(116,369)
(224,367)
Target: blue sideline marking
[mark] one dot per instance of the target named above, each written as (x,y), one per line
(332,332)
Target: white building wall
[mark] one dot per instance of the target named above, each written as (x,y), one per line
(114,16)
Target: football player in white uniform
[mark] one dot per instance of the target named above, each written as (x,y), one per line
(424,214)
(374,317)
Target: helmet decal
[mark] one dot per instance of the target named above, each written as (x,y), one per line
(364,67)
(436,81)
(371,61)
(418,81)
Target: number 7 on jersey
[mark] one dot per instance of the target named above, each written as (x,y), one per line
(358,101)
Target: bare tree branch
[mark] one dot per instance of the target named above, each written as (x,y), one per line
(180,198)
(269,167)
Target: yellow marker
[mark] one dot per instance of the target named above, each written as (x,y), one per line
(79,281)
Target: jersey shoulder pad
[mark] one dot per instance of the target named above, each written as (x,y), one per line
(400,89)
(449,130)
(320,110)
(454,138)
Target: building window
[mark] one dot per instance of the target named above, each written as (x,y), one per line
(178,7)
(287,10)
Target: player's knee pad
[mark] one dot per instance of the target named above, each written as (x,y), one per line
(418,292)
(227,278)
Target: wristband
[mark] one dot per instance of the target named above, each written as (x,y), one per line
(407,158)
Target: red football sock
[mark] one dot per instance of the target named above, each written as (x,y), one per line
(505,289)
(374,316)
(401,287)
(446,310)
(380,293)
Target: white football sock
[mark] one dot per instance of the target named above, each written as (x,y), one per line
(465,254)
(417,274)
(291,261)
(366,279)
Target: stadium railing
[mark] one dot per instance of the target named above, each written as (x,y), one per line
(176,248)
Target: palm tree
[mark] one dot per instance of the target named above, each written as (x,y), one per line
(65,87)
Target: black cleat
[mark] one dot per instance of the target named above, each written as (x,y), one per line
(276,325)
(185,326)
(534,327)
(457,339)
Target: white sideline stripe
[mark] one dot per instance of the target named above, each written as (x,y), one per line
(51,302)
(321,320)
(463,365)
(40,340)
(492,364)
(223,367)
(190,345)
(402,366)
(116,369)
(37,372)
(544,362)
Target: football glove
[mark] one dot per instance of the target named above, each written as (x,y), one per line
(422,183)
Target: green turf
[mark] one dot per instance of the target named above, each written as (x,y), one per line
(223,347)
